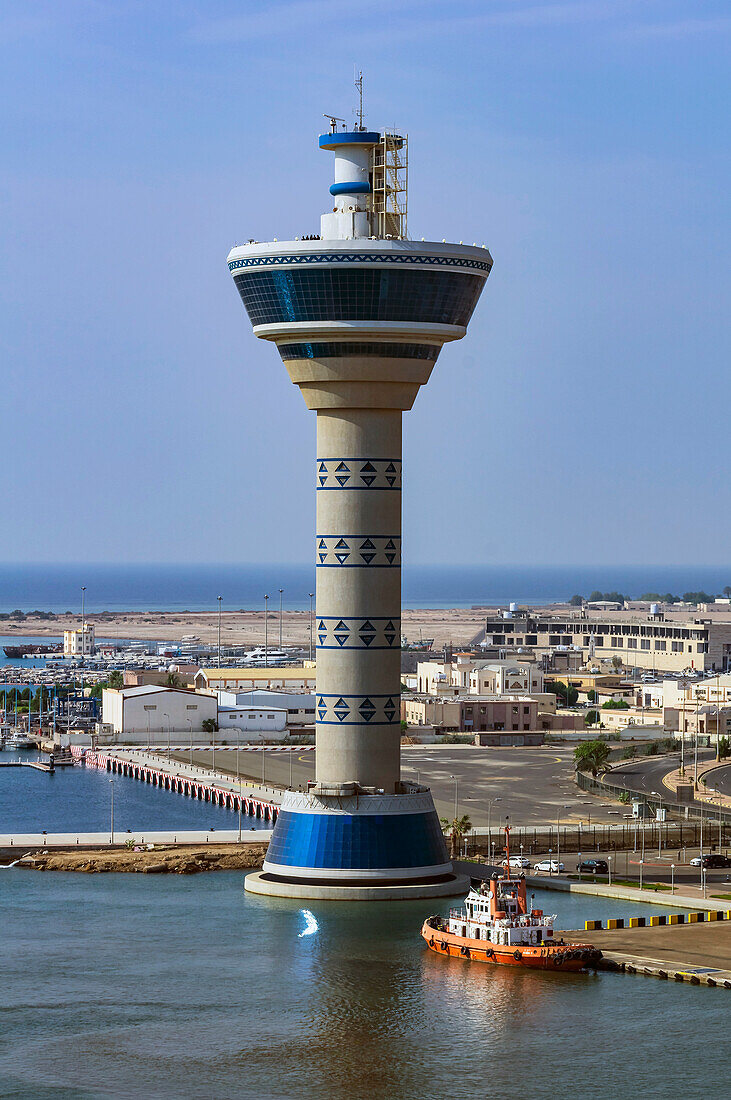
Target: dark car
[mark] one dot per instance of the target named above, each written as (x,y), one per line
(716,860)
(594,866)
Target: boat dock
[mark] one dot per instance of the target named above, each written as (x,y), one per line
(698,952)
(37,764)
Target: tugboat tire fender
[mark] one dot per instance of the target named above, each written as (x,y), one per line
(517,956)
(558,960)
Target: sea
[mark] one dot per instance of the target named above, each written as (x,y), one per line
(120,985)
(171,587)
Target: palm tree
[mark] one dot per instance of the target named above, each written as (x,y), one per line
(172,680)
(457,829)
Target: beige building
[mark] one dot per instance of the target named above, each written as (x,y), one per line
(703,707)
(509,714)
(467,673)
(294,678)
(671,641)
(79,643)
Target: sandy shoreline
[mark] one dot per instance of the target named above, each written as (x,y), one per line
(458,625)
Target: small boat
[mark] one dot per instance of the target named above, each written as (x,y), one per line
(498,926)
(19,741)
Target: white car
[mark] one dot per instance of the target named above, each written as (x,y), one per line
(550,865)
(517,861)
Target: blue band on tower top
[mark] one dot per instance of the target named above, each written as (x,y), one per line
(350,188)
(348,137)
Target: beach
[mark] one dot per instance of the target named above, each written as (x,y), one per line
(245,627)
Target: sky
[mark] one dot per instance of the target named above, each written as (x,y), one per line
(584,418)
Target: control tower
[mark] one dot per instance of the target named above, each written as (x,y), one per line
(359,317)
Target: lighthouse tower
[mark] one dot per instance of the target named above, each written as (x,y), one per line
(359,317)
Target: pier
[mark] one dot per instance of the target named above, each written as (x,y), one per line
(188,780)
(37,764)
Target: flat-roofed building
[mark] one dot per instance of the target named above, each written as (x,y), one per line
(79,643)
(298,706)
(153,710)
(671,641)
(293,678)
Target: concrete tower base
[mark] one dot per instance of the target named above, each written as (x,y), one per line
(259,882)
(348,842)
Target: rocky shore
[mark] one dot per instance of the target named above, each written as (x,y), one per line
(162,859)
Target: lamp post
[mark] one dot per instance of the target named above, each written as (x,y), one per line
(609,865)
(168,718)
(703,880)
(672,878)
(238,780)
(281,590)
(490,803)
(266,631)
(219,598)
(642,863)
(111,813)
(263,760)
(456,786)
(658,815)
(190,723)
(558,840)
(83,635)
(311,597)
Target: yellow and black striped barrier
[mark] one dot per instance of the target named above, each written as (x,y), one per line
(696,917)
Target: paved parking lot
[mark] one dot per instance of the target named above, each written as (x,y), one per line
(534,785)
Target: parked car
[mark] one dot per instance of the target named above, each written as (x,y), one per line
(710,859)
(550,865)
(593,866)
(517,861)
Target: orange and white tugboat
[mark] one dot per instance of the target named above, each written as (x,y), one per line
(498,926)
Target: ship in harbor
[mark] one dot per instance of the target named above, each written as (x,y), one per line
(15,651)
(497,925)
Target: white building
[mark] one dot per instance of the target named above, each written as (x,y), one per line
(476,676)
(154,710)
(299,707)
(79,643)
(248,723)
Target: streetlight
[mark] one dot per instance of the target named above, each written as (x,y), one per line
(219,598)
(609,865)
(168,718)
(658,815)
(490,802)
(281,590)
(263,759)
(558,839)
(311,594)
(238,780)
(456,785)
(190,723)
(266,632)
(111,814)
(703,879)
(642,863)
(672,878)
(83,635)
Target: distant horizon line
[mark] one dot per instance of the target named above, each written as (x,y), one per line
(419,564)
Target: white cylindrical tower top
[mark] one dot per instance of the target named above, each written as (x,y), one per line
(352,186)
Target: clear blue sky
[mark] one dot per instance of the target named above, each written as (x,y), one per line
(586,142)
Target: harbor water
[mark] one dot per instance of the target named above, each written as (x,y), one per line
(176,986)
(78,799)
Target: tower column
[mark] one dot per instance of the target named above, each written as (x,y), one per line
(358,624)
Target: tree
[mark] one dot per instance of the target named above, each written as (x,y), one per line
(576,601)
(567,695)
(591,717)
(116,680)
(592,696)
(172,680)
(592,755)
(404,726)
(727,591)
(209,725)
(724,748)
(457,830)
(615,704)
(596,595)
(98,688)
(616,663)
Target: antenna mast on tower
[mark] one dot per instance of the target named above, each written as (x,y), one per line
(359,86)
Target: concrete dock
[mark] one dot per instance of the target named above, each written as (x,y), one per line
(695,953)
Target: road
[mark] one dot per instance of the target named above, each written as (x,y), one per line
(533,786)
(645,776)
